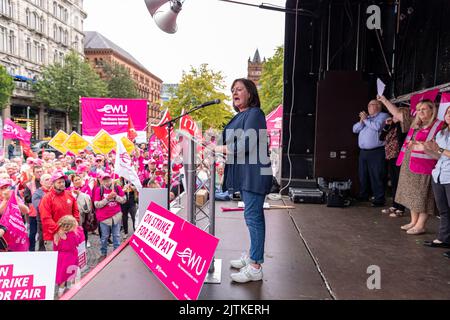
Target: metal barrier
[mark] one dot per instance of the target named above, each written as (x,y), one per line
(207,211)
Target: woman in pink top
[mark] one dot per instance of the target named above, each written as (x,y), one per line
(67,267)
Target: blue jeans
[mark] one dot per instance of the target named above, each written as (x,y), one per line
(106,231)
(33,232)
(254,218)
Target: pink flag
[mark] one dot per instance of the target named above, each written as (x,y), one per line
(445,103)
(16,236)
(11,130)
(415,99)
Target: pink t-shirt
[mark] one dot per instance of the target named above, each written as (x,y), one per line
(111,208)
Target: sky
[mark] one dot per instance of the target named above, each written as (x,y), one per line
(223,35)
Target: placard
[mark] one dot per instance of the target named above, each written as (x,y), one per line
(28,275)
(177,252)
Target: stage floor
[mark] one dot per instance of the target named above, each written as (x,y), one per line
(312,252)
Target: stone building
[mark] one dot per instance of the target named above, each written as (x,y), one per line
(99,49)
(255,68)
(34,34)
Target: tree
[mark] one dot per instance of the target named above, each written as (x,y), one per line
(271,82)
(6,87)
(120,84)
(196,87)
(62,85)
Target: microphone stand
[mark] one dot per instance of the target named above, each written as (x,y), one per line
(169,125)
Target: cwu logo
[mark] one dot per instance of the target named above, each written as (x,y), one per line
(109,108)
(192,260)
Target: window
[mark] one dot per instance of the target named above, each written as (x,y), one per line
(55,9)
(76,22)
(12,42)
(66,15)
(28,45)
(55,56)
(28,17)
(35,52)
(55,32)
(75,44)
(66,37)
(42,24)
(42,54)
(34,21)
(6,8)
(61,57)
(3,40)
(60,34)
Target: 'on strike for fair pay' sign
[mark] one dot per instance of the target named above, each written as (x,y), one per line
(177,252)
(27,275)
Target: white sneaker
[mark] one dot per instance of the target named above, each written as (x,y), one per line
(88,244)
(61,292)
(240,263)
(247,274)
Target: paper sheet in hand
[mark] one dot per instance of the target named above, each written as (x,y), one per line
(380,87)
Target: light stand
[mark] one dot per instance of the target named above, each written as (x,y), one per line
(169,125)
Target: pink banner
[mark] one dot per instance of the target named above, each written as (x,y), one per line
(11,130)
(177,252)
(16,236)
(112,115)
(415,99)
(274,121)
(444,105)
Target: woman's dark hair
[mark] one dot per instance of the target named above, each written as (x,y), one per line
(72,177)
(253,101)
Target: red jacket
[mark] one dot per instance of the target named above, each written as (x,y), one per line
(53,206)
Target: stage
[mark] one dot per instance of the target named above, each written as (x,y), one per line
(312,252)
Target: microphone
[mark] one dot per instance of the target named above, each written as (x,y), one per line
(216,101)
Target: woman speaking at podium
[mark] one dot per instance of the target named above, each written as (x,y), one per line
(248,170)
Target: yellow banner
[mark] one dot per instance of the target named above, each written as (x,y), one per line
(58,140)
(129,146)
(75,143)
(103,142)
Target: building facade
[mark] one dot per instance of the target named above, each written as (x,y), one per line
(99,49)
(255,67)
(34,34)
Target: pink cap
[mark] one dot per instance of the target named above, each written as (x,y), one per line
(5,182)
(104,175)
(58,175)
(78,160)
(82,168)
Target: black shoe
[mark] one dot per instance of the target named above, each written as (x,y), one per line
(430,243)
(362,199)
(378,204)
(447,254)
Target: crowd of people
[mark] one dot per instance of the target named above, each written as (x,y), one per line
(414,148)
(64,199)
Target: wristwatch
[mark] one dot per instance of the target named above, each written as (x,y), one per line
(441,150)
